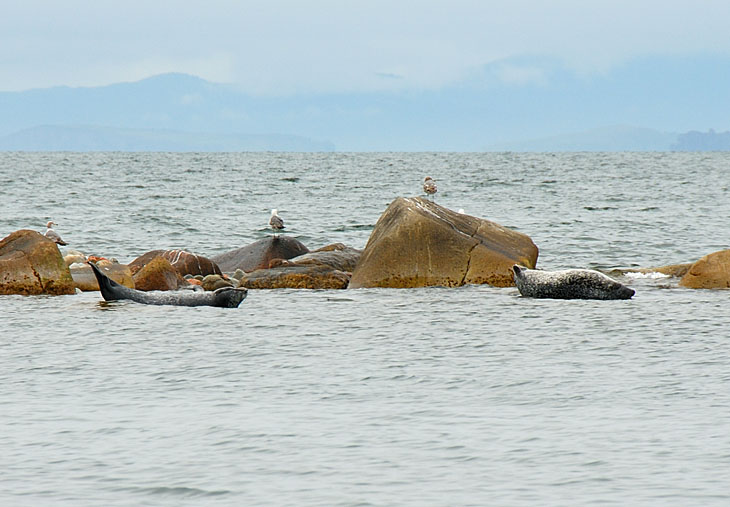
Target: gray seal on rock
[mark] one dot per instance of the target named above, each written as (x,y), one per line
(568,284)
(226,297)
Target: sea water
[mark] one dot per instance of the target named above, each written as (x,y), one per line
(432,396)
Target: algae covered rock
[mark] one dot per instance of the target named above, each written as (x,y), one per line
(307,276)
(31,264)
(418,243)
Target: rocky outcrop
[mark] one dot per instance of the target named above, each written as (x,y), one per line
(308,276)
(326,268)
(336,256)
(31,264)
(85,280)
(258,255)
(710,272)
(419,243)
(185,263)
(158,274)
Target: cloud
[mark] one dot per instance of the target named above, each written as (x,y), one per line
(389,75)
(521,75)
(289,46)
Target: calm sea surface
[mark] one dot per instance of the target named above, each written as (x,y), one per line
(438,397)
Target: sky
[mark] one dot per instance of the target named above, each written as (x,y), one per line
(286,47)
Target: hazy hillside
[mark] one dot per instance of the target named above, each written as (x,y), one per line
(616,138)
(85,138)
(524,103)
(701,141)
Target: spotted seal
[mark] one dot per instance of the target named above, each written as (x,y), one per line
(568,284)
(226,297)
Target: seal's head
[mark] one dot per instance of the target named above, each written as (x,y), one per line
(518,270)
(229,297)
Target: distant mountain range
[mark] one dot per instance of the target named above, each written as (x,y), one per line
(522,104)
(94,138)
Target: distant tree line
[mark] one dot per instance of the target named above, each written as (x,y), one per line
(702,141)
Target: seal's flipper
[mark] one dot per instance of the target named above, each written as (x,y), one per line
(106,284)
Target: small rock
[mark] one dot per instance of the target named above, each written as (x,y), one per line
(214,282)
(158,274)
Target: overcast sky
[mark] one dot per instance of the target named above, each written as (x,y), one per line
(286,46)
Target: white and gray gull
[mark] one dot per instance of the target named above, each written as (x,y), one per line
(53,235)
(275,221)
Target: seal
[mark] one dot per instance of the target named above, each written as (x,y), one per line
(568,284)
(225,297)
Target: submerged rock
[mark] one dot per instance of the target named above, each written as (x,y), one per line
(258,255)
(710,272)
(308,276)
(418,243)
(675,270)
(32,264)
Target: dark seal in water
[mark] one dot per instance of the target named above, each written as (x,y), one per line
(568,284)
(226,297)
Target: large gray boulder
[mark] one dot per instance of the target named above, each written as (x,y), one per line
(258,255)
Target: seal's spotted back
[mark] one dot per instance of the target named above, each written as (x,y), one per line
(568,284)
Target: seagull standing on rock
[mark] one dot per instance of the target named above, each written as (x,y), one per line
(429,186)
(276,222)
(53,235)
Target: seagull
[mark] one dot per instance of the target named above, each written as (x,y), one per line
(53,235)
(429,186)
(276,222)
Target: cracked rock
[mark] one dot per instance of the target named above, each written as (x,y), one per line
(418,243)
